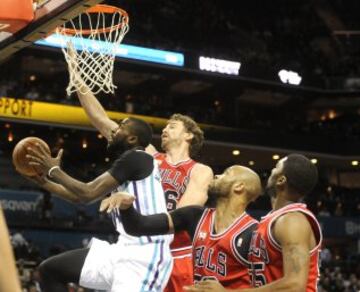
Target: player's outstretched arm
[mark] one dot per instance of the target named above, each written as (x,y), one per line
(196,190)
(293,232)
(136,224)
(9,280)
(86,192)
(182,219)
(63,193)
(54,188)
(94,110)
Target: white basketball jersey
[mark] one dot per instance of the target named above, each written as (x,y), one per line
(150,199)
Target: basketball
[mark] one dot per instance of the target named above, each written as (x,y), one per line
(20,161)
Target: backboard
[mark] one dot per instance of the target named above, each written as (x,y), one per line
(49,15)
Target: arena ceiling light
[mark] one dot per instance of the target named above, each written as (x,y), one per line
(236,152)
(276,157)
(289,77)
(219,66)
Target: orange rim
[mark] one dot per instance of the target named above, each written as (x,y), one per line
(100,8)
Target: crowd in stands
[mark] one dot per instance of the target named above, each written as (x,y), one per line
(297,36)
(330,201)
(340,270)
(330,124)
(45,234)
(338,278)
(27,262)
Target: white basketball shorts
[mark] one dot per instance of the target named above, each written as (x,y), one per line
(124,267)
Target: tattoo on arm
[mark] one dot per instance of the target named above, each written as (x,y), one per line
(295,257)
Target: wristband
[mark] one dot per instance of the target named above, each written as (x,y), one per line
(52,169)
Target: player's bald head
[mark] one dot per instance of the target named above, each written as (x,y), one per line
(249,178)
(236,182)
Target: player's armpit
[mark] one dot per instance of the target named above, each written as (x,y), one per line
(196,190)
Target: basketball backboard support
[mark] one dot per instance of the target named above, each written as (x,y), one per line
(48,16)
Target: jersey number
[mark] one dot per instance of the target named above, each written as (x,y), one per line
(171,198)
(257,276)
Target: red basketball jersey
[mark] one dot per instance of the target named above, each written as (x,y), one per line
(223,256)
(265,253)
(175,178)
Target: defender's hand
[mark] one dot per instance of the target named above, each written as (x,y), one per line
(120,200)
(206,286)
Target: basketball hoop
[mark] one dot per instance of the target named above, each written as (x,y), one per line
(95,36)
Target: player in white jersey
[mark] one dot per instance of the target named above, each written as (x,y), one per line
(132,264)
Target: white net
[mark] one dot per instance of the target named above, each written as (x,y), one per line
(90,43)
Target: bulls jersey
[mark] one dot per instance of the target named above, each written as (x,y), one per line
(148,191)
(175,178)
(223,256)
(265,253)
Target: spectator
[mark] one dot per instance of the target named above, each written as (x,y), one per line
(44,207)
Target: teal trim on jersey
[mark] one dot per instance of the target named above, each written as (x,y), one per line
(153,192)
(132,191)
(150,267)
(146,198)
(167,272)
(146,204)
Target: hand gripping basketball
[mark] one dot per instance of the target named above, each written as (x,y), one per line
(20,161)
(39,157)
